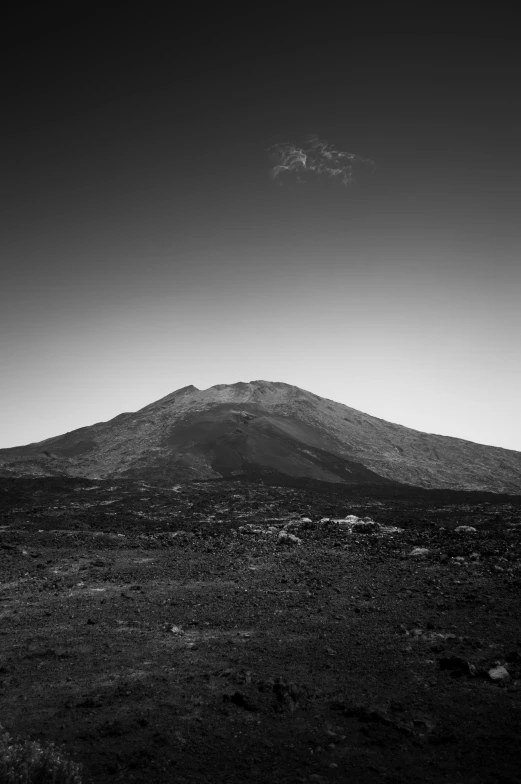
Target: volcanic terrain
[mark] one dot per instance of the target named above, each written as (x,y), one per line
(251,583)
(233,631)
(264,429)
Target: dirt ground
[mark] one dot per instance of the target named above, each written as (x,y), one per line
(207,633)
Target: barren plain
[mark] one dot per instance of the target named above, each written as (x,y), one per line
(228,631)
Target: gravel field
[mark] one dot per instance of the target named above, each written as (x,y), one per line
(230,632)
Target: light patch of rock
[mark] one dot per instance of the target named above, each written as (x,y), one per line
(499,673)
(419,552)
(291,540)
(250,530)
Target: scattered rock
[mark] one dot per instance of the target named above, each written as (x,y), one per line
(284,538)
(365,525)
(300,605)
(257,530)
(390,529)
(419,552)
(499,673)
(349,519)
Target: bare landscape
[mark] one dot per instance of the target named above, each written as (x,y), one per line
(230,631)
(208,579)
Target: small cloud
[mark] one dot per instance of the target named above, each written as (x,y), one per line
(314,159)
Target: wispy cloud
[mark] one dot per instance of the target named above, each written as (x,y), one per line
(314,159)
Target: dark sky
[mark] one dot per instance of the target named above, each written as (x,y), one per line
(145,247)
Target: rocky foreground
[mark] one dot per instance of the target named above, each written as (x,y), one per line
(231,632)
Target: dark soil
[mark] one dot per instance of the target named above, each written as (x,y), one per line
(169,635)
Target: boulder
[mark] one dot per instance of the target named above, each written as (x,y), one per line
(288,539)
(419,552)
(499,673)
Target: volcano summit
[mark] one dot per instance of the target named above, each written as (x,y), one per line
(265,429)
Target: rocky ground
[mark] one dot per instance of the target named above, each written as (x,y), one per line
(230,632)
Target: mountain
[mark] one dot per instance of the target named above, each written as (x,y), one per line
(260,429)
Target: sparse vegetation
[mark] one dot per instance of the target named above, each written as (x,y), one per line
(29,762)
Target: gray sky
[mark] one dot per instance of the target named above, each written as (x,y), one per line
(145,246)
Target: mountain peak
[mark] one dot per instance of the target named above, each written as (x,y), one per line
(258,384)
(265,427)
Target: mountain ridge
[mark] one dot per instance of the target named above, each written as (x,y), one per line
(249,428)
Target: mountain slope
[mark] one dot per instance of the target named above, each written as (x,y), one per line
(265,427)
